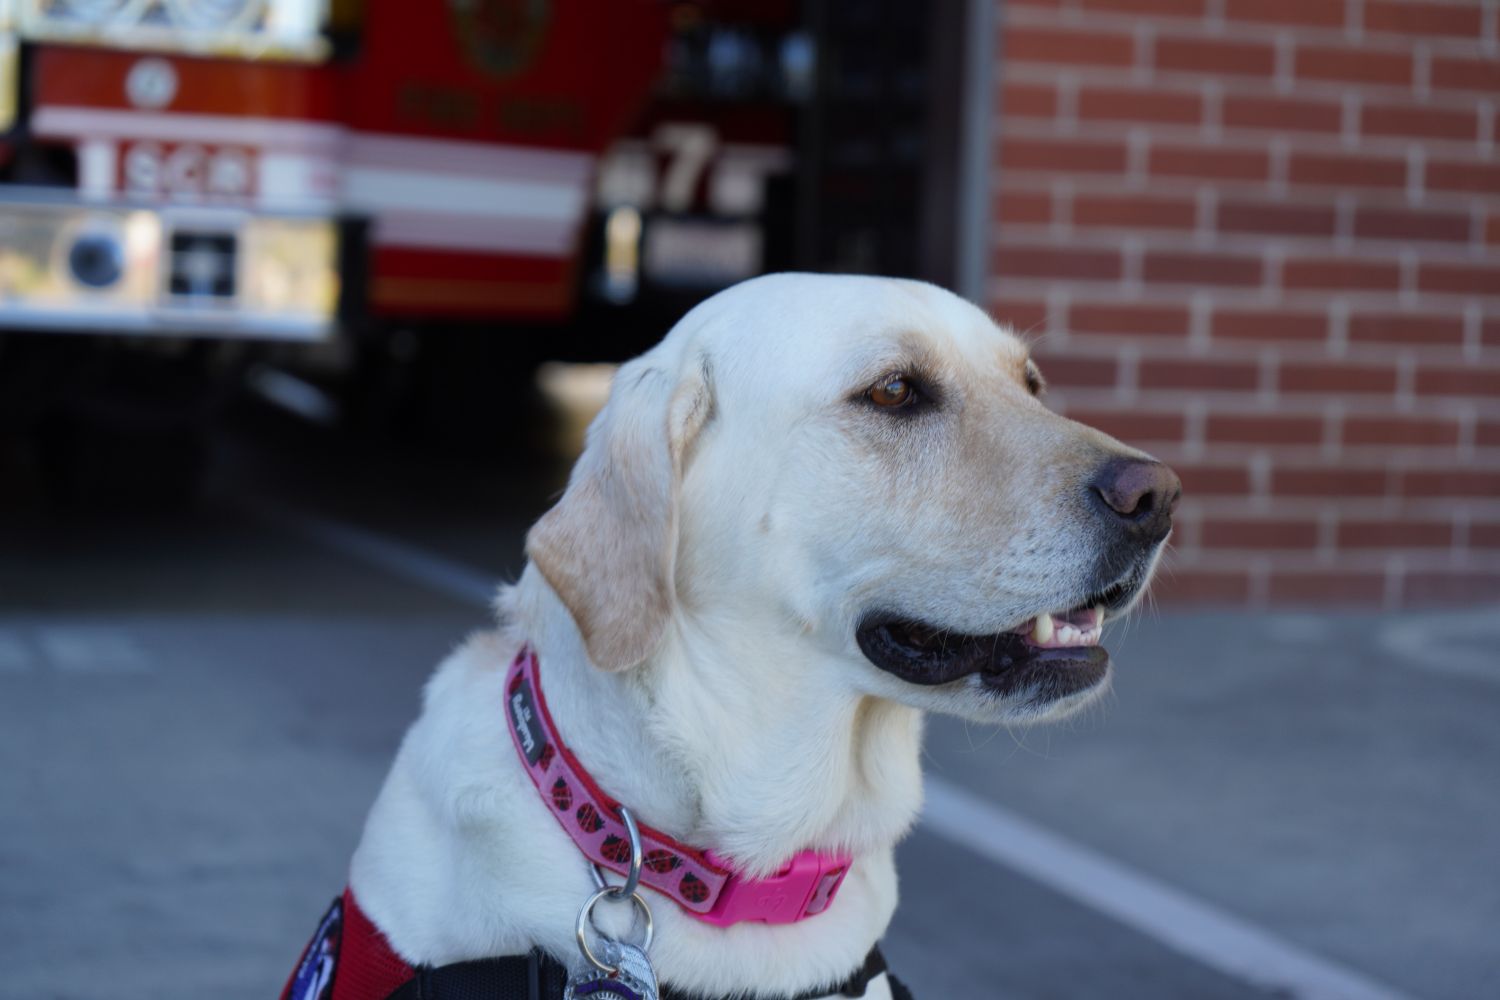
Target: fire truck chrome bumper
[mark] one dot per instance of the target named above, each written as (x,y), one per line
(179,271)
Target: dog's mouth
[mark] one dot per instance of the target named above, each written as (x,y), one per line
(1049,656)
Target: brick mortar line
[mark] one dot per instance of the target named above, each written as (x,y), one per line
(1247,403)
(1442,305)
(1240,138)
(1241,30)
(1300,196)
(1406,383)
(1375,509)
(1421,69)
(1105,346)
(1283,61)
(1409,266)
(1246,460)
(1183,83)
(1143,35)
(1416,173)
(1309,559)
(1457,251)
(1473,344)
(1255,294)
(1349,104)
(1333,428)
(1300,561)
(1212,118)
(1338,328)
(1104,292)
(1243,299)
(1331,92)
(1302,458)
(1351,109)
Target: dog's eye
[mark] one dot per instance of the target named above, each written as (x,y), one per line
(892,391)
(1034,381)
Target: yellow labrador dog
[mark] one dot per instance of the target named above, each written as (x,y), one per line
(818,509)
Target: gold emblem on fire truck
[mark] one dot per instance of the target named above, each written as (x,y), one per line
(501,37)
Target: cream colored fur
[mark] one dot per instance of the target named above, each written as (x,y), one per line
(693,599)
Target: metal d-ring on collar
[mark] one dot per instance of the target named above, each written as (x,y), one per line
(615,893)
(632,880)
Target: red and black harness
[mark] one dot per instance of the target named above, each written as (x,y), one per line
(350,959)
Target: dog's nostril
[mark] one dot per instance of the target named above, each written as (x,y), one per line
(1141,493)
(1127,507)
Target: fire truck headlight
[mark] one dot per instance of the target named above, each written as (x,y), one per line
(96,260)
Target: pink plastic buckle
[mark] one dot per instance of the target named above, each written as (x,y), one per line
(804,888)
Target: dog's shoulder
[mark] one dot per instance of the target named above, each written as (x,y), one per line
(448,866)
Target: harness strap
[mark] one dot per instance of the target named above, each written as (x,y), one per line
(537,976)
(515,977)
(349,958)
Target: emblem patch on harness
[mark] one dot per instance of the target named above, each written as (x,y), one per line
(314,977)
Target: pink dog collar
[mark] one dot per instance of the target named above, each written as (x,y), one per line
(701,882)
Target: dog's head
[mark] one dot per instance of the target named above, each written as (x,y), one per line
(864,467)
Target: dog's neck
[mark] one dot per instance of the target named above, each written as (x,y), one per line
(757,752)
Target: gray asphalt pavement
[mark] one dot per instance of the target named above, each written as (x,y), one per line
(197,708)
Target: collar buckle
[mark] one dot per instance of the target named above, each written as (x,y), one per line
(804,888)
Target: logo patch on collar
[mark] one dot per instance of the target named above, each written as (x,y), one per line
(314,977)
(523,713)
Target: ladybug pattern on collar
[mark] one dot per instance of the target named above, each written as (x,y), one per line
(591,817)
(701,882)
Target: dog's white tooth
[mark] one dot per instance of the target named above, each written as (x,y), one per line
(1099,616)
(1042,630)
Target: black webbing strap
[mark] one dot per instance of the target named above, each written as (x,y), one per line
(515,977)
(538,976)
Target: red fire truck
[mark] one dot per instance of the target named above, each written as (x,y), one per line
(244,168)
(187,186)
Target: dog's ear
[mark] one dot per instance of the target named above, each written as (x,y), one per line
(609,546)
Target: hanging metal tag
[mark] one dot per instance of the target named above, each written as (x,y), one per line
(633,978)
(616,970)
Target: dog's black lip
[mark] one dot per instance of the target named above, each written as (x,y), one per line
(1117,595)
(1004,661)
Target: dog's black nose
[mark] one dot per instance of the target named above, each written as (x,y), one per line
(1136,495)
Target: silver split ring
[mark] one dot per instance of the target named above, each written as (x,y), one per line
(584,919)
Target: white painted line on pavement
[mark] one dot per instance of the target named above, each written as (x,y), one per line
(90,649)
(408,562)
(1189,926)
(1460,643)
(15,657)
(1186,925)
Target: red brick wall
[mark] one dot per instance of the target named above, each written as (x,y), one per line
(1261,238)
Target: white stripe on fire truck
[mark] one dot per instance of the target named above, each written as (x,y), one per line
(369,149)
(426,208)
(483,196)
(382,188)
(227,130)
